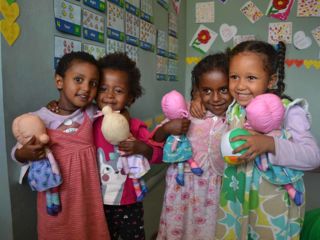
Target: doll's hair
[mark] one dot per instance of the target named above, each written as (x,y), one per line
(70,58)
(265,113)
(273,60)
(212,62)
(121,62)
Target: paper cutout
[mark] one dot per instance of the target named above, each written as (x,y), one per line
(176,5)
(301,41)
(10,11)
(132,52)
(192,60)
(132,23)
(279,9)
(96,51)
(204,12)
(251,11)
(308,8)
(10,1)
(115,21)
(93,26)
(203,39)
(280,32)
(162,68)
(147,36)
(10,30)
(242,38)
(310,63)
(63,46)
(316,34)
(227,32)
(296,62)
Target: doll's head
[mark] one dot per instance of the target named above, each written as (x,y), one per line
(115,127)
(174,105)
(27,125)
(265,113)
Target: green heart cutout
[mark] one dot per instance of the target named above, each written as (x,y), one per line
(10,1)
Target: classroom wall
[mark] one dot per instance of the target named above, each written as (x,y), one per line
(301,82)
(27,84)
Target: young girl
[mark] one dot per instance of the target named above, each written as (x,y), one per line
(70,131)
(189,211)
(119,88)
(250,206)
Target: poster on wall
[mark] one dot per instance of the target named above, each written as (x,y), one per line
(147,36)
(114,46)
(172,70)
(205,12)
(147,11)
(132,52)
(281,31)
(164,3)
(93,26)
(242,38)
(251,11)
(132,29)
(133,6)
(115,21)
(63,46)
(96,51)
(162,43)
(203,39)
(279,9)
(173,24)
(162,68)
(67,17)
(99,5)
(308,8)
(173,47)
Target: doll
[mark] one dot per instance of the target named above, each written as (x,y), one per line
(44,174)
(177,149)
(115,129)
(265,114)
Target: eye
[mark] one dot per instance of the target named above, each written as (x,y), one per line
(206,91)
(233,77)
(102,88)
(251,78)
(118,91)
(224,90)
(78,79)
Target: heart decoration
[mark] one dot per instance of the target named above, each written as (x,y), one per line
(10,1)
(9,30)
(227,32)
(10,12)
(301,41)
(296,62)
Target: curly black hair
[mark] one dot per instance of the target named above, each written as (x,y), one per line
(68,59)
(273,59)
(217,61)
(121,62)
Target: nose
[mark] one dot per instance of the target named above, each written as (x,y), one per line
(240,84)
(86,86)
(215,96)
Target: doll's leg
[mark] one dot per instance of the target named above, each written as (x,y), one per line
(295,195)
(49,203)
(137,189)
(195,168)
(143,186)
(56,205)
(180,175)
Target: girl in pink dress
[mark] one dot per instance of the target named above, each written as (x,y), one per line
(70,131)
(189,211)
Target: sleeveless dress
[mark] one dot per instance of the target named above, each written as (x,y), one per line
(82,216)
(251,207)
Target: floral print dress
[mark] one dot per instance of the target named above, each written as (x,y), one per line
(189,211)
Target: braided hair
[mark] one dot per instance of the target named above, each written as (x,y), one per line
(273,60)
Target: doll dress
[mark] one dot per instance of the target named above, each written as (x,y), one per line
(82,216)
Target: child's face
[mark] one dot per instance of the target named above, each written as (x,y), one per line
(248,77)
(214,93)
(79,85)
(114,90)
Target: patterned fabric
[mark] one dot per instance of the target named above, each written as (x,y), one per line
(125,221)
(189,212)
(182,153)
(82,216)
(250,206)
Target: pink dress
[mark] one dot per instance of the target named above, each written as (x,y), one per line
(82,215)
(189,211)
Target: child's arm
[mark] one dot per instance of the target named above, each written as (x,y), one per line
(197,109)
(173,127)
(134,146)
(31,151)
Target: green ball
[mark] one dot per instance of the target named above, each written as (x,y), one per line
(238,132)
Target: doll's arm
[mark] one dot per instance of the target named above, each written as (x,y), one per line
(53,162)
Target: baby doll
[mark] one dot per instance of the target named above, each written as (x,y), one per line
(115,129)
(265,114)
(177,149)
(44,174)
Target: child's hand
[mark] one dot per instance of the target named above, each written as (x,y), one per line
(177,126)
(31,151)
(197,109)
(255,145)
(134,146)
(53,106)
